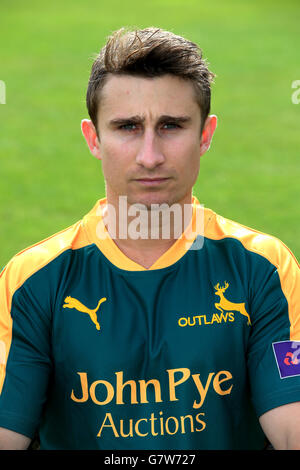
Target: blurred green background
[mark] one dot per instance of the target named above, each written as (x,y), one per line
(49,179)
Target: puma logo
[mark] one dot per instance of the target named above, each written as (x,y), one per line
(226,305)
(70,302)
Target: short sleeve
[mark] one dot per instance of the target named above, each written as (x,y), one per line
(274,345)
(25,357)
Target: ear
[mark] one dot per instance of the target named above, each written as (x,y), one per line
(207,133)
(90,135)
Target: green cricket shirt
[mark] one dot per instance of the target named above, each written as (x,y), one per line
(97,352)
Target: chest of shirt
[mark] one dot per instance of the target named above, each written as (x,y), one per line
(145,324)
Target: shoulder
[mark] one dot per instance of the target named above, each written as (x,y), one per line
(263,244)
(259,246)
(33,258)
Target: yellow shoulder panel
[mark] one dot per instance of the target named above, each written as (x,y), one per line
(275,251)
(21,267)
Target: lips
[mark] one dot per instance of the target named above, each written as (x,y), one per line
(152,181)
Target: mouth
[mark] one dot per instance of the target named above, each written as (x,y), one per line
(152,181)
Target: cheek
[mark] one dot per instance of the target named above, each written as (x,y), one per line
(187,156)
(112,161)
(190,165)
(116,151)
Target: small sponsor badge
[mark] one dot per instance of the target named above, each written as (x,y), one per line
(287,354)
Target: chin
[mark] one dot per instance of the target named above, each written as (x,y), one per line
(154,198)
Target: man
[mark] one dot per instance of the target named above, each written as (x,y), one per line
(114,336)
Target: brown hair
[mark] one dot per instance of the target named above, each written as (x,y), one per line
(149,52)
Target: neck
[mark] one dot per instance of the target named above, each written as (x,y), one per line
(146,233)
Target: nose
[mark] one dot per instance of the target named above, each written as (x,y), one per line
(150,153)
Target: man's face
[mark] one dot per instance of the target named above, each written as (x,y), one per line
(150,141)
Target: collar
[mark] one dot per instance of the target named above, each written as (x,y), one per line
(97,233)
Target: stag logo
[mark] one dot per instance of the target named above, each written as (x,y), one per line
(70,302)
(227,305)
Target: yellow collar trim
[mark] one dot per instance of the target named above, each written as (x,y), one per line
(97,233)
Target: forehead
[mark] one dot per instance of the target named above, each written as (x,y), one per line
(132,95)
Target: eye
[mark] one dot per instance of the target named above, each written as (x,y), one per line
(130,126)
(171,125)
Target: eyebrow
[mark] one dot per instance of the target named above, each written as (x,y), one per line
(141,119)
